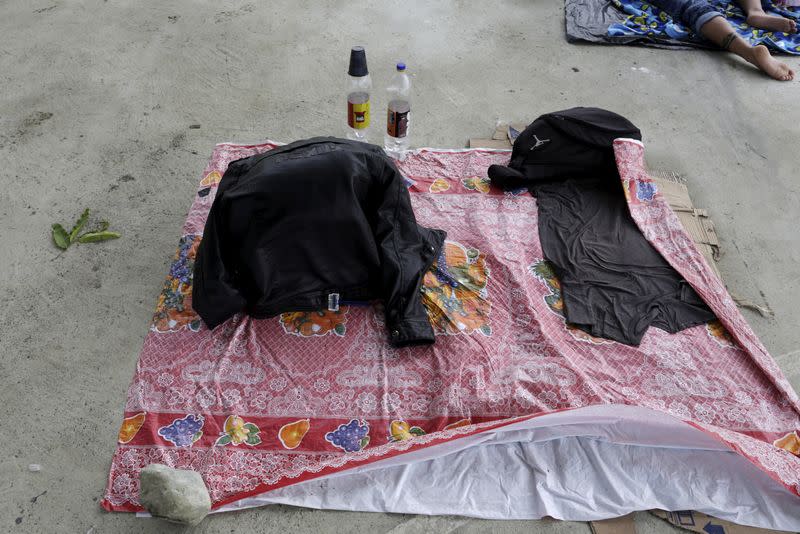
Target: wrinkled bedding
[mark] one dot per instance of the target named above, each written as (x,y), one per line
(258,405)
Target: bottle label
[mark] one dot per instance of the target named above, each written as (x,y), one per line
(358,115)
(397,123)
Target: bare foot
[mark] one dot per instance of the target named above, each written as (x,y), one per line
(761,58)
(771,22)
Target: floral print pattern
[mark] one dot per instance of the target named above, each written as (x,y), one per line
(315,323)
(543,270)
(174,309)
(238,432)
(530,363)
(183,432)
(454,291)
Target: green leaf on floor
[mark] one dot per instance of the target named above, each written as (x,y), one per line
(79,224)
(63,240)
(95,237)
(60,237)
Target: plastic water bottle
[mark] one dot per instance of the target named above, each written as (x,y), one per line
(358,91)
(398,119)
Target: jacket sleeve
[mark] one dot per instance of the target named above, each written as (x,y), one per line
(215,296)
(406,250)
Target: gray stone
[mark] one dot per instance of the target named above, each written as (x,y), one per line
(174,494)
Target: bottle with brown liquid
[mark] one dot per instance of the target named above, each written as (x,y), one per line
(398,119)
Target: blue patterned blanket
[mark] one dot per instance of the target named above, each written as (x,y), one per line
(644,20)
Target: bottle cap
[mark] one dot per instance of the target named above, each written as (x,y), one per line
(358,62)
(401,66)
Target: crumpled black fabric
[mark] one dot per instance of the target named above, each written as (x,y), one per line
(314,225)
(614,283)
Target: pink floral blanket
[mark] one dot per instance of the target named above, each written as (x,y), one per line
(261,404)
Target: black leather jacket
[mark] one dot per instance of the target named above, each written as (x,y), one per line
(311,226)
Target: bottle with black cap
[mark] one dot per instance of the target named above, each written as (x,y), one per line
(359,88)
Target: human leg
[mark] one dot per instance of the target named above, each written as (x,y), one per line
(758,18)
(708,22)
(719,32)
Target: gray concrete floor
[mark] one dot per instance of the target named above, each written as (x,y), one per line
(96,99)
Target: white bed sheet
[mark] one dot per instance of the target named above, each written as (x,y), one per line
(587,464)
